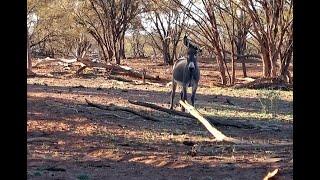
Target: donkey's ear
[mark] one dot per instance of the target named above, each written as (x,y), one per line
(186,41)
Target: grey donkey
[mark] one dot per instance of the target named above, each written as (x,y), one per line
(186,73)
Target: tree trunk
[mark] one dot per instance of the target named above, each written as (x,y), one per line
(29,62)
(244,69)
(266,64)
(284,67)
(117,51)
(221,66)
(233,75)
(241,46)
(174,54)
(233,68)
(122,50)
(104,53)
(166,54)
(273,70)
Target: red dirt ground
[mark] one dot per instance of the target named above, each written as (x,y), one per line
(89,143)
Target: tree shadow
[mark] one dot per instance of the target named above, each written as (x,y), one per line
(73,113)
(123,170)
(117,156)
(202,101)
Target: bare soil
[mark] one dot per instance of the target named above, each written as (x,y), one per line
(89,143)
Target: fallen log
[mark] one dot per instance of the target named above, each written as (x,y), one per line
(265,83)
(39,139)
(85,62)
(261,146)
(246,79)
(51,60)
(216,122)
(119,78)
(215,132)
(118,68)
(119,108)
(132,72)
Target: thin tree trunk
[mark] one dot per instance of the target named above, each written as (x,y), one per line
(233,77)
(117,52)
(244,69)
(266,64)
(29,62)
(166,54)
(122,50)
(241,46)
(221,67)
(273,70)
(104,53)
(174,54)
(284,68)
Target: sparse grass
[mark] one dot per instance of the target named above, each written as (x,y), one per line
(269,100)
(249,104)
(37,173)
(83,177)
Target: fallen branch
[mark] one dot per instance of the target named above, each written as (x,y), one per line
(265,83)
(156,107)
(247,147)
(132,72)
(216,122)
(117,116)
(117,68)
(85,62)
(271,174)
(119,108)
(247,79)
(215,132)
(51,60)
(81,70)
(119,78)
(29,140)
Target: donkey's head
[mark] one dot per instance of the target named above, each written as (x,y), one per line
(193,51)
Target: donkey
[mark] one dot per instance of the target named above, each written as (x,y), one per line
(186,73)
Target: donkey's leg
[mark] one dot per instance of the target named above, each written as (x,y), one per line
(173,92)
(194,90)
(183,96)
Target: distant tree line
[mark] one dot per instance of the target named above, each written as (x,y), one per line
(230,31)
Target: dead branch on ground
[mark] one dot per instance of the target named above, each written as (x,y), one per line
(87,63)
(215,132)
(264,83)
(119,108)
(34,139)
(217,122)
(119,78)
(271,174)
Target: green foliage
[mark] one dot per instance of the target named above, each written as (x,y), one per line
(55,28)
